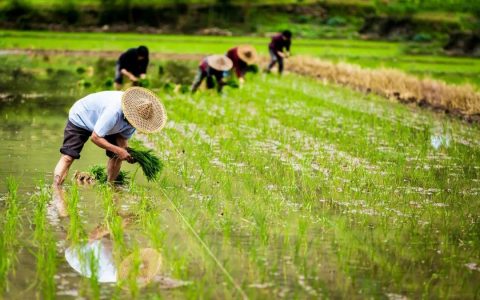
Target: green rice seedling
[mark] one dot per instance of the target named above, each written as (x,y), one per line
(150,163)
(100,174)
(46,253)
(8,237)
(76,233)
(113,221)
(92,261)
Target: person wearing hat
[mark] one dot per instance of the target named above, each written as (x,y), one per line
(133,64)
(276,48)
(241,57)
(210,67)
(109,119)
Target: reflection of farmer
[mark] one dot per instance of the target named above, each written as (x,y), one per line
(242,57)
(279,42)
(210,67)
(132,64)
(95,257)
(109,119)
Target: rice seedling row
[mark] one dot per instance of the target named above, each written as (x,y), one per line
(8,238)
(46,254)
(421,191)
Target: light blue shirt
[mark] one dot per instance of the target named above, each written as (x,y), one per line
(101,113)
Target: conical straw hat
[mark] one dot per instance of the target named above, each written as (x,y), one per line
(220,62)
(143,109)
(150,264)
(247,53)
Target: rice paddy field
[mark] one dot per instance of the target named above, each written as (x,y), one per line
(289,187)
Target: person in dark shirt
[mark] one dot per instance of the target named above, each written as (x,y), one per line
(210,67)
(242,56)
(277,54)
(133,64)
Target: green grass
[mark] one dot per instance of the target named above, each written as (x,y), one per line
(54,3)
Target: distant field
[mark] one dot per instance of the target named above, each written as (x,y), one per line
(169,2)
(365,53)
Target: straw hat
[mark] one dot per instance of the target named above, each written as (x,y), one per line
(150,262)
(143,109)
(247,53)
(219,62)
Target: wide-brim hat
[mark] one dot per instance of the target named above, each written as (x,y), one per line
(219,62)
(149,262)
(143,109)
(247,53)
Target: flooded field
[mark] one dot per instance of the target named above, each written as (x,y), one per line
(286,188)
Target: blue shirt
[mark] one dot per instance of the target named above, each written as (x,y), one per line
(101,113)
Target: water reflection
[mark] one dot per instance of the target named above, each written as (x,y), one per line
(95,257)
(100,251)
(440,140)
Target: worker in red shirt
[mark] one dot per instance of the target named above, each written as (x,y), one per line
(242,56)
(213,66)
(276,48)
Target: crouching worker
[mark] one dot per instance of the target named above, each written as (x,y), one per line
(109,119)
(210,67)
(276,48)
(133,64)
(242,57)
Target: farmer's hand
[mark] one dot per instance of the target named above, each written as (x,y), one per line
(123,154)
(241,81)
(133,78)
(143,76)
(281,54)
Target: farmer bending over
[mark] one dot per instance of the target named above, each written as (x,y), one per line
(132,64)
(109,119)
(279,42)
(212,66)
(242,57)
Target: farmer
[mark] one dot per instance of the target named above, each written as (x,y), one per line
(109,119)
(133,64)
(276,48)
(210,67)
(242,56)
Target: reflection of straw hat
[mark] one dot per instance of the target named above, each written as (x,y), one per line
(247,53)
(150,262)
(81,256)
(143,109)
(219,62)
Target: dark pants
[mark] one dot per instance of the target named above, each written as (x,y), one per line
(201,75)
(75,137)
(275,58)
(118,74)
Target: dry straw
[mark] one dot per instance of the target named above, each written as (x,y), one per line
(459,99)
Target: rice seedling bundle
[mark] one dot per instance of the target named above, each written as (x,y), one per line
(149,162)
(100,174)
